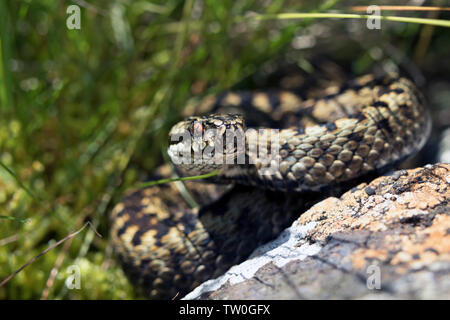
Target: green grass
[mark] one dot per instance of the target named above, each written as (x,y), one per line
(85,113)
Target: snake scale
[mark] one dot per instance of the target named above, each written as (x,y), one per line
(168,247)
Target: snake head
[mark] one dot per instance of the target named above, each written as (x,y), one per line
(202,144)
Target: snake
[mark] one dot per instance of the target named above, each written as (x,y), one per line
(170,238)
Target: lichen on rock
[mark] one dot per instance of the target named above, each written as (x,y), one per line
(386,239)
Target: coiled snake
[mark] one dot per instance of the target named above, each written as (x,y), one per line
(168,247)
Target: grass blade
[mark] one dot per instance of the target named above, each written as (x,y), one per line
(289,16)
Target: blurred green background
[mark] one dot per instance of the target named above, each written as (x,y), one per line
(85,113)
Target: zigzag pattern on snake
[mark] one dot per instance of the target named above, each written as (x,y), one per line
(168,247)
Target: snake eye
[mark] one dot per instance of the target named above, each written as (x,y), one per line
(197,128)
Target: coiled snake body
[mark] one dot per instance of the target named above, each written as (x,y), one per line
(168,247)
